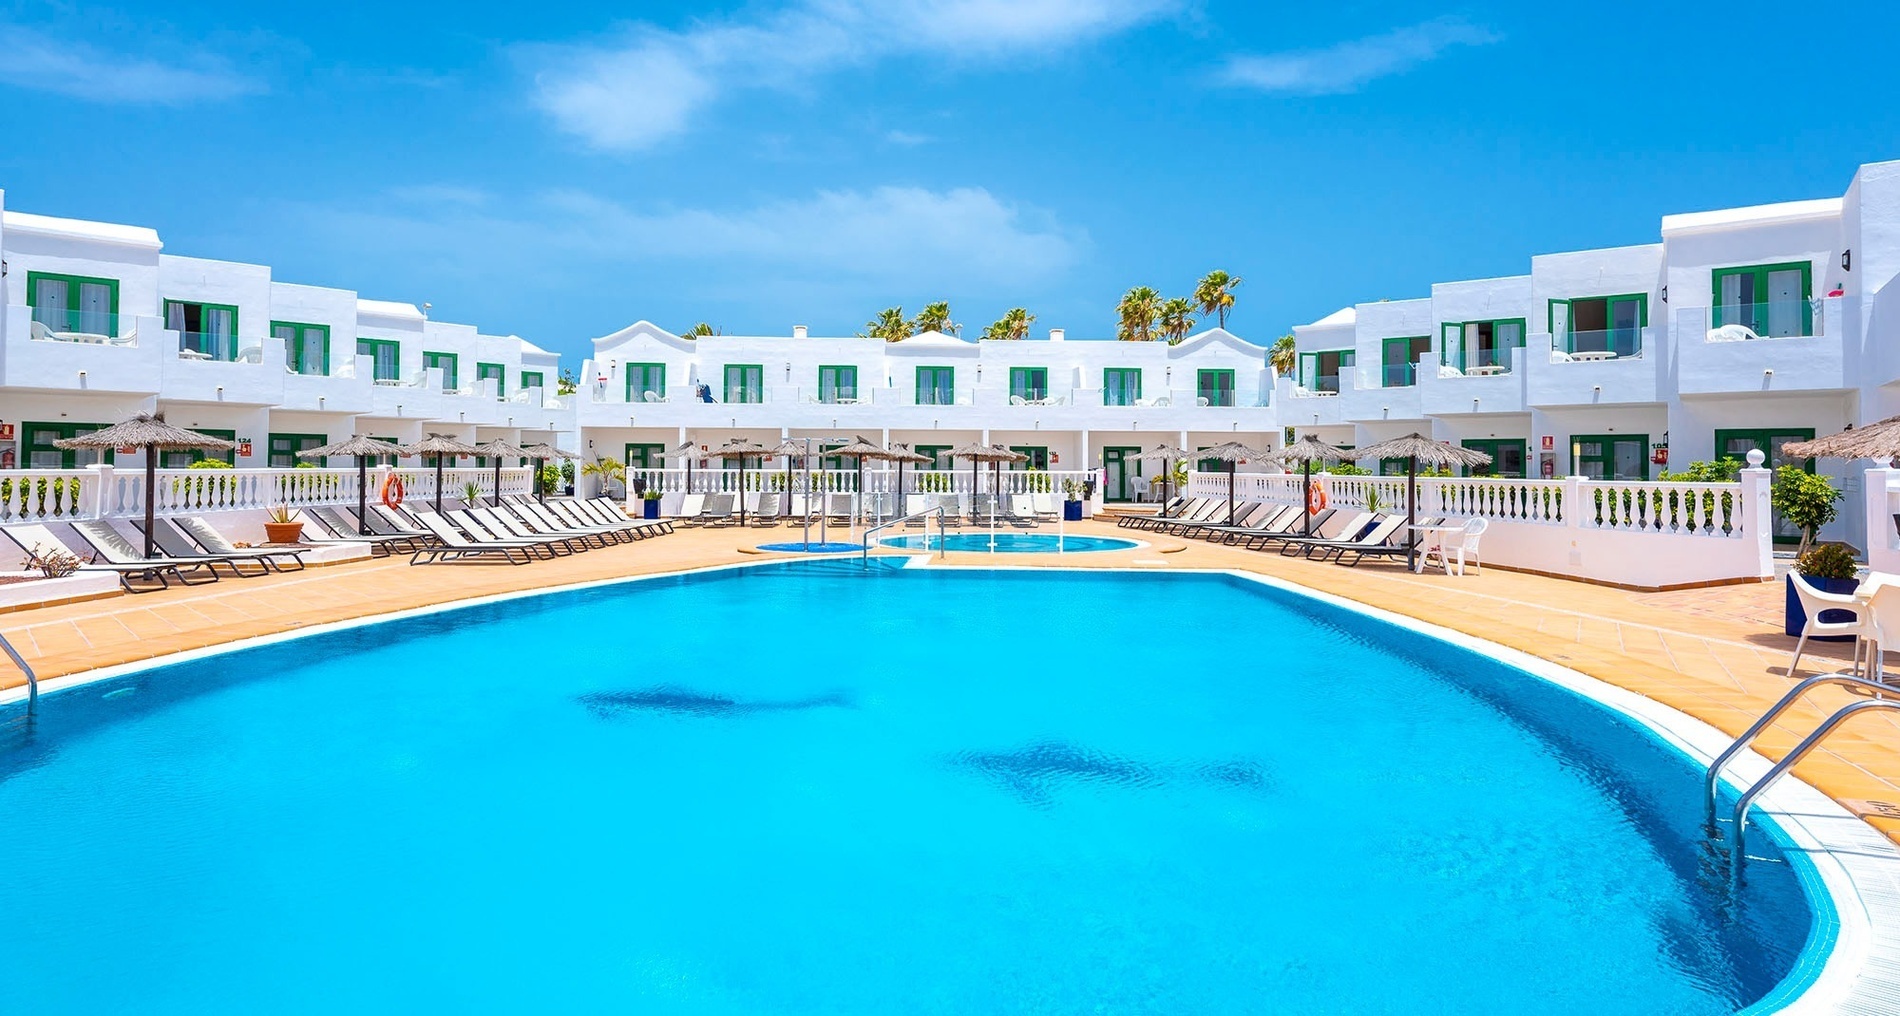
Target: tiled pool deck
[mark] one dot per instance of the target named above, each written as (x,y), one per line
(1716,654)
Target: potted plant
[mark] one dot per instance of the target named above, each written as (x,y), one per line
(650,504)
(472,495)
(1829,567)
(283,524)
(1071,501)
(1805,501)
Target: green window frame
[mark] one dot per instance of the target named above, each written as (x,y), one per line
(837,382)
(1216,386)
(1398,359)
(1029,383)
(384,460)
(451,364)
(642,455)
(1622,339)
(185,458)
(1038,457)
(936,386)
(1121,386)
(745,383)
(643,378)
(77,308)
(1735,444)
(1594,455)
(37,448)
(201,326)
(936,453)
(532,379)
(306,346)
(386,357)
(1741,296)
(1313,368)
(1468,344)
(1509,456)
(282,449)
(499,372)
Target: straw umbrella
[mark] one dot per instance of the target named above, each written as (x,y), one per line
(688,451)
(980,453)
(789,450)
(498,450)
(364,448)
(741,449)
(1306,451)
(150,432)
(1414,449)
(1874,441)
(860,449)
(900,454)
(439,445)
(1233,453)
(996,473)
(539,452)
(1166,454)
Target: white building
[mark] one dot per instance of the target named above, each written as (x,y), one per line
(99,323)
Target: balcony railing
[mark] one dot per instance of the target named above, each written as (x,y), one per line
(1777,319)
(1622,343)
(986,396)
(205,346)
(60,324)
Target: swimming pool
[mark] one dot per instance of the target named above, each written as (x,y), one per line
(804,788)
(1013,543)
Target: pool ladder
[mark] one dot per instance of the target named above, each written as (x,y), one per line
(864,552)
(32,679)
(1801,750)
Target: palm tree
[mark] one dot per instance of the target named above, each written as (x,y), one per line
(610,470)
(1176,319)
(890,325)
(697,330)
(1282,356)
(1215,294)
(1139,310)
(935,317)
(1014,324)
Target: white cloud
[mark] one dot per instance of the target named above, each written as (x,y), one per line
(646,84)
(908,139)
(1346,66)
(38,61)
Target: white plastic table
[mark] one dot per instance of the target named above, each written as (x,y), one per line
(1594,354)
(1433,539)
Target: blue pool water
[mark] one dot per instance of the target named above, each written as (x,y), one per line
(803,788)
(814,547)
(1012,543)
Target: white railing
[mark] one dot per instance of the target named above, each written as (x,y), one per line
(38,495)
(876,480)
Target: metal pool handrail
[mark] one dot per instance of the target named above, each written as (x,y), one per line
(32,680)
(1800,751)
(864,552)
(1795,693)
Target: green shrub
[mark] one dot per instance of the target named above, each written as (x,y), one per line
(1827,561)
(1806,500)
(1724,470)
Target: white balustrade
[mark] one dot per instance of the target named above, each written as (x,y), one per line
(38,495)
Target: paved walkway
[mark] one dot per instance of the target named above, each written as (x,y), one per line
(1716,654)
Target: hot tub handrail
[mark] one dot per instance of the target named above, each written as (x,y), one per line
(1748,736)
(1808,744)
(32,680)
(864,552)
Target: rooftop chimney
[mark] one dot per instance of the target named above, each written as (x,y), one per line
(798,331)
(1055,335)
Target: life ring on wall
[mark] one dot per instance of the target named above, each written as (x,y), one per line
(392,490)
(1315,500)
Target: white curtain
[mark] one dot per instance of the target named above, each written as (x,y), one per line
(49,304)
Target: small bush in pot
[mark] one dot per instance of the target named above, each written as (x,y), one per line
(1831,568)
(283,524)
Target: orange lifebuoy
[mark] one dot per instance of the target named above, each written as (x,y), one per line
(392,490)
(1315,500)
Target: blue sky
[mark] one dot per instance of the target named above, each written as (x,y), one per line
(558,170)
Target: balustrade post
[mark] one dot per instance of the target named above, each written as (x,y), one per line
(96,493)
(1881,545)
(1757,514)
(1573,507)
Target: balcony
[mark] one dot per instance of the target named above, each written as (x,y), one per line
(1593,368)
(1797,348)
(1492,382)
(253,377)
(119,354)
(1363,399)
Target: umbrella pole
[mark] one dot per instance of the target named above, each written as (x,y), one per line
(1230,491)
(151,491)
(362,495)
(1411,511)
(861,513)
(498,481)
(438,483)
(1167,479)
(540,492)
(1306,473)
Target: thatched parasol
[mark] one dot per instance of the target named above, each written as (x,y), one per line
(1874,441)
(1167,455)
(860,449)
(150,432)
(498,450)
(900,454)
(741,449)
(1306,451)
(1233,453)
(789,449)
(689,452)
(364,448)
(439,445)
(539,452)
(1414,449)
(976,453)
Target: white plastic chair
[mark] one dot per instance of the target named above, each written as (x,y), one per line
(1884,605)
(1862,627)
(1463,546)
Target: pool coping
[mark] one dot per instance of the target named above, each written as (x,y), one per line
(1857,865)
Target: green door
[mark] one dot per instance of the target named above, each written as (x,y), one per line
(1610,456)
(1736,444)
(1123,465)
(1507,457)
(745,383)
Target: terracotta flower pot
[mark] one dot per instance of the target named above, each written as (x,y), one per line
(283,532)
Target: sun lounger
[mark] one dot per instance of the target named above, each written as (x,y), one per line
(384,521)
(451,545)
(1244,513)
(1045,506)
(211,540)
(767,513)
(1272,519)
(1022,512)
(543,520)
(1198,510)
(332,526)
(150,572)
(1367,540)
(1172,508)
(691,507)
(244,564)
(1340,525)
(609,512)
(720,510)
(506,526)
(1397,543)
(1294,524)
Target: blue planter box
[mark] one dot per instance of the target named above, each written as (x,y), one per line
(1072,511)
(1794,618)
(650,508)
